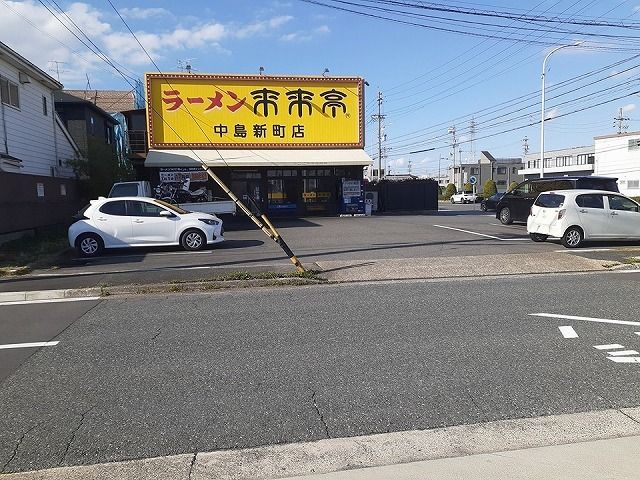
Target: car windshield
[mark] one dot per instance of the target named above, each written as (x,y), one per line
(175,208)
(549,200)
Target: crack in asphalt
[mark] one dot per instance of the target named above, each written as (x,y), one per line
(473,400)
(628,416)
(193,462)
(315,405)
(15,449)
(73,434)
(156,335)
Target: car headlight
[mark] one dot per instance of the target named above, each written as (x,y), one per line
(210,221)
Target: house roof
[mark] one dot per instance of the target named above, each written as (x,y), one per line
(62,97)
(22,64)
(108,100)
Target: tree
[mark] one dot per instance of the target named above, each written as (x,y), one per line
(512,186)
(490,188)
(451,189)
(467,187)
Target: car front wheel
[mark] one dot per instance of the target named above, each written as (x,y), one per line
(483,207)
(89,244)
(573,237)
(538,237)
(505,216)
(193,240)
(452,201)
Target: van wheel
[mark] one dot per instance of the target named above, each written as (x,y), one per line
(452,200)
(505,216)
(89,244)
(538,237)
(573,237)
(193,240)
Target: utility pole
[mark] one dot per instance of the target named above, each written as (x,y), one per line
(380,118)
(409,164)
(57,68)
(472,133)
(622,127)
(454,144)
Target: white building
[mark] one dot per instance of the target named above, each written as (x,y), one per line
(558,163)
(37,186)
(618,155)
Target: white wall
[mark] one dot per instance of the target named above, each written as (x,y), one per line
(30,134)
(614,158)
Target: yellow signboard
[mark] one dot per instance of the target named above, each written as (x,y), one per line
(254,111)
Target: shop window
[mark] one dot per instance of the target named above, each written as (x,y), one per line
(282,173)
(283,194)
(318,193)
(502,170)
(245,175)
(633,184)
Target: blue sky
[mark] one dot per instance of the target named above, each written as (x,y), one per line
(429,79)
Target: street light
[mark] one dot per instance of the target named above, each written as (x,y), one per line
(544,68)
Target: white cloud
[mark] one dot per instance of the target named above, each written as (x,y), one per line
(302,36)
(144,13)
(50,40)
(630,107)
(262,26)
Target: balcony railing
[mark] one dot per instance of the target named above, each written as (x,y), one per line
(137,141)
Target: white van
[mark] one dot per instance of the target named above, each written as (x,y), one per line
(131,189)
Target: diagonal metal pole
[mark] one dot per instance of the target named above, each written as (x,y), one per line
(265,225)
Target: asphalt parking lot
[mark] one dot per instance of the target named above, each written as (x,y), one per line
(454,231)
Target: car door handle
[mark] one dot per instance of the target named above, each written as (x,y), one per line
(101,219)
(137,220)
(583,211)
(614,213)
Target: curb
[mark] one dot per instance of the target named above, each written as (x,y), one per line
(343,454)
(195,286)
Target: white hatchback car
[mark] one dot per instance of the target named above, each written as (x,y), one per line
(138,222)
(578,215)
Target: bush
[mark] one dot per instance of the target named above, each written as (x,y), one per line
(467,187)
(451,189)
(489,189)
(512,185)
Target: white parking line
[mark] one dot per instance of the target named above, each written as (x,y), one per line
(584,250)
(624,359)
(623,353)
(28,345)
(52,300)
(568,332)
(608,347)
(586,319)
(482,234)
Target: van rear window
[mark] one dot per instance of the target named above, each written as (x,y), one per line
(608,184)
(124,190)
(549,200)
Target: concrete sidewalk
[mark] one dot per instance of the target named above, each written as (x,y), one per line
(462,266)
(579,446)
(617,458)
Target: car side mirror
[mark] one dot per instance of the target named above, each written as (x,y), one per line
(166,213)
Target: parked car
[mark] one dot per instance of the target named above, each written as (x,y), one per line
(463,197)
(131,189)
(516,203)
(578,215)
(491,202)
(137,221)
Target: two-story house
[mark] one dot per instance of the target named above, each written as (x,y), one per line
(37,185)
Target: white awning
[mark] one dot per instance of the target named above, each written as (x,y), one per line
(257,158)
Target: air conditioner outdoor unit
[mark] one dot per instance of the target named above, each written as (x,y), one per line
(23,77)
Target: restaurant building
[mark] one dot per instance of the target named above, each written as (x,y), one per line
(290,145)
